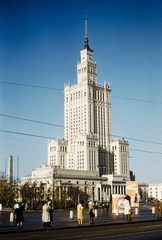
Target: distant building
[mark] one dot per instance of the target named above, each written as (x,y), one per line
(155,191)
(149,192)
(132,176)
(10,169)
(98,188)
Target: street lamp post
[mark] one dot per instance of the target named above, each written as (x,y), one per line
(101,167)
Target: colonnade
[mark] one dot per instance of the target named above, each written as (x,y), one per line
(104,192)
(119,189)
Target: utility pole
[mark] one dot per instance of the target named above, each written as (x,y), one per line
(78,199)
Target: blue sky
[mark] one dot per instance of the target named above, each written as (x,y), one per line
(40,45)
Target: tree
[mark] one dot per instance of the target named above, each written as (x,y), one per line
(26,192)
(7,191)
(74,192)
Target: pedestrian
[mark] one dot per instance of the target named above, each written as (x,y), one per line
(160,208)
(50,212)
(45,215)
(156,205)
(0,208)
(80,213)
(19,216)
(136,198)
(127,209)
(107,208)
(103,208)
(92,215)
(11,207)
(91,212)
(26,206)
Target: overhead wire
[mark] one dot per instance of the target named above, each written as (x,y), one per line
(57,125)
(33,86)
(30,120)
(61,126)
(45,137)
(58,89)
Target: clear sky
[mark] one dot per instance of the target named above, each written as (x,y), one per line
(40,43)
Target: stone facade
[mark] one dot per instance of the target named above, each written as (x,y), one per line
(87,139)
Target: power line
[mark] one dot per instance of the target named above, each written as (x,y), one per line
(30,120)
(25,134)
(33,86)
(61,126)
(27,148)
(137,100)
(58,89)
(15,139)
(136,139)
(138,150)
(38,136)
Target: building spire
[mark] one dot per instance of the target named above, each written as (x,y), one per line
(86,45)
(86,33)
(86,28)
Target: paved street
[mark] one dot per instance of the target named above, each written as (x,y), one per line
(61,219)
(131,230)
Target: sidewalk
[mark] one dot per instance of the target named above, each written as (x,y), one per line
(62,219)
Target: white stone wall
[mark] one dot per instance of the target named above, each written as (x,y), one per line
(121,157)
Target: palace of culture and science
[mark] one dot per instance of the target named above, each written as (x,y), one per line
(87,157)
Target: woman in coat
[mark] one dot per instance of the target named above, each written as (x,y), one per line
(127,209)
(80,213)
(50,212)
(19,216)
(91,212)
(45,215)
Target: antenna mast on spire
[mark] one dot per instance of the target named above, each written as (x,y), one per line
(86,45)
(86,27)
(86,32)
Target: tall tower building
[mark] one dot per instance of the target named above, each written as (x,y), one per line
(87,114)
(87,143)
(10,168)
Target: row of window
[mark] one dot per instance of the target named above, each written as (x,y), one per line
(91,69)
(62,149)
(123,148)
(98,95)
(76,95)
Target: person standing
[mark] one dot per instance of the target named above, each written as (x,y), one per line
(103,208)
(80,213)
(107,208)
(160,208)
(156,205)
(0,208)
(91,212)
(92,215)
(127,209)
(50,212)
(45,215)
(19,216)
